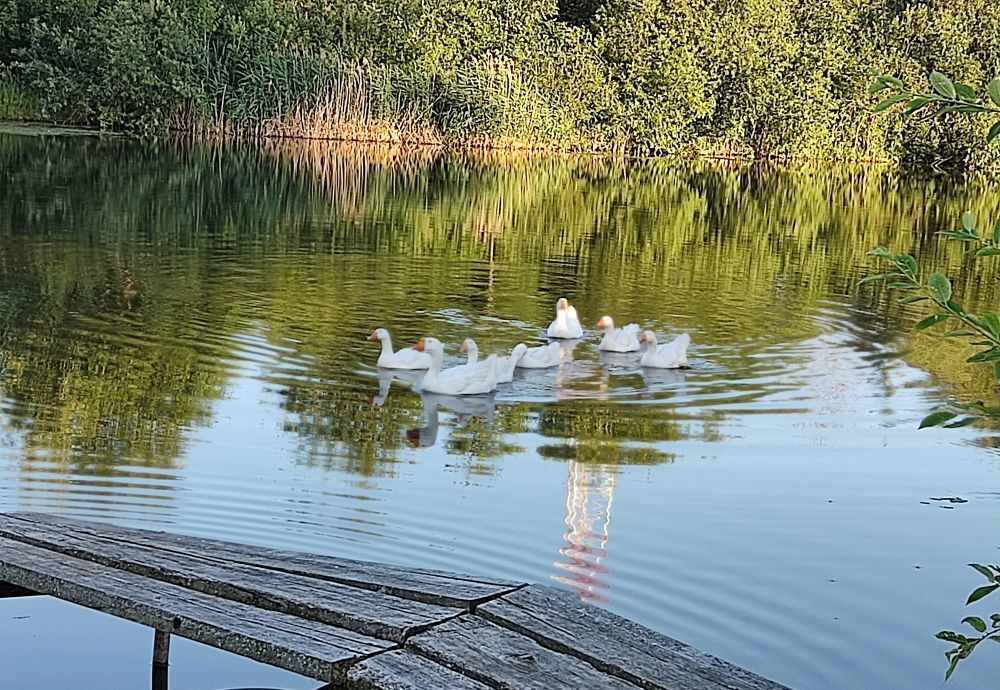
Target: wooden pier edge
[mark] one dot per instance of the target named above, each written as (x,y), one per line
(353,624)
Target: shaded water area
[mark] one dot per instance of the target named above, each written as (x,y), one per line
(183,348)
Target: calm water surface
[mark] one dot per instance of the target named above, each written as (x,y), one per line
(183,347)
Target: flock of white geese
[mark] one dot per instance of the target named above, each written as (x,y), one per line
(477,377)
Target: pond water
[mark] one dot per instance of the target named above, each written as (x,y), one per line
(183,347)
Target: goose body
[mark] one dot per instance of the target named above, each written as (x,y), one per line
(672,355)
(625,339)
(540,357)
(506,365)
(465,379)
(407,358)
(566,325)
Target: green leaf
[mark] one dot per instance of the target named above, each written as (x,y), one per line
(994,91)
(907,264)
(949,636)
(991,355)
(985,572)
(951,666)
(877,86)
(965,92)
(962,109)
(994,132)
(962,334)
(892,81)
(981,592)
(903,286)
(940,286)
(988,251)
(942,84)
(964,421)
(891,101)
(932,320)
(936,419)
(996,232)
(969,221)
(880,276)
(911,299)
(915,104)
(992,323)
(880,252)
(976,622)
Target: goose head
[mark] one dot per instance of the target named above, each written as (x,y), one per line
(429,345)
(562,304)
(649,338)
(606,323)
(379,334)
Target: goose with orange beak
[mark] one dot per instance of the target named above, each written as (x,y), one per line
(618,339)
(465,379)
(407,358)
(672,355)
(566,325)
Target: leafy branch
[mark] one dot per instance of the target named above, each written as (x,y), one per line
(964,645)
(947,97)
(981,331)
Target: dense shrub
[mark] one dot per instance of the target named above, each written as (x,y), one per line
(755,77)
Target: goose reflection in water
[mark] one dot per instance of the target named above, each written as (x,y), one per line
(465,407)
(385,379)
(589,497)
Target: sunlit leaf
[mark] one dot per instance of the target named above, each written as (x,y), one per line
(981,592)
(891,101)
(880,276)
(984,571)
(988,251)
(931,320)
(936,419)
(942,84)
(994,132)
(965,92)
(964,421)
(994,91)
(881,252)
(940,287)
(915,104)
(969,220)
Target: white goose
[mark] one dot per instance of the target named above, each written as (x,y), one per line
(673,355)
(469,346)
(506,365)
(567,325)
(407,358)
(466,379)
(618,339)
(541,357)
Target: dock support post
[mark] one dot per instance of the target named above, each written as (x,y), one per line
(161,659)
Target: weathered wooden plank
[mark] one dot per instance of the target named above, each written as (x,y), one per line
(418,584)
(404,670)
(362,610)
(505,660)
(306,647)
(559,621)
(9,591)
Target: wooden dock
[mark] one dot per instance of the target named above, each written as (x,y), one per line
(350,624)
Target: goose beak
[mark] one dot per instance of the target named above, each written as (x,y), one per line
(373,336)
(464,348)
(642,338)
(419,347)
(600,324)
